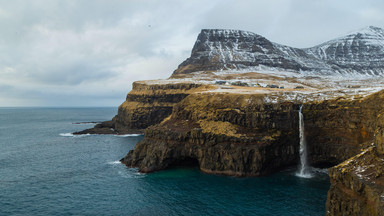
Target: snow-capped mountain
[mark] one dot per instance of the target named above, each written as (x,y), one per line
(361,52)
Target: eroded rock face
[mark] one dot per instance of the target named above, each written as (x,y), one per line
(379,135)
(217,126)
(357,184)
(147,104)
(337,129)
(242,135)
(224,134)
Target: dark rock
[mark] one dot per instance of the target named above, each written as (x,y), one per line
(86,122)
(357,186)
(220,82)
(149,104)
(100,128)
(264,137)
(337,129)
(272,86)
(145,105)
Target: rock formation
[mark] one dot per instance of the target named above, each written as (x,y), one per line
(357,184)
(223,134)
(147,104)
(231,108)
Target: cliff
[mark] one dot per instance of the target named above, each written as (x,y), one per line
(147,104)
(336,130)
(357,185)
(222,134)
(232,108)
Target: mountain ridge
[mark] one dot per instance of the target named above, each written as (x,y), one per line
(361,52)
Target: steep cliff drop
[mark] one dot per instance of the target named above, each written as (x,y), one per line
(304,169)
(357,184)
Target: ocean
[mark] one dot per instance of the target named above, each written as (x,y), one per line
(45,170)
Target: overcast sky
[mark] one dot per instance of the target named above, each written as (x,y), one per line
(88,52)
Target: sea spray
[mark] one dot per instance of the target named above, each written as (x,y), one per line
(304,171)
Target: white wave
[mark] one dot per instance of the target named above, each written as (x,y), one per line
(131,173)
(67,134)
(128,135)
(114,162)
(73,135)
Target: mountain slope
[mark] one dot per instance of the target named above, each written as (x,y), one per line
(361,52)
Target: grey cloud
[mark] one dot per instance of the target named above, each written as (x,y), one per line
(298,23)
(73,53)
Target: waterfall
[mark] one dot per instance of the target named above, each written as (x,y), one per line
(304,171)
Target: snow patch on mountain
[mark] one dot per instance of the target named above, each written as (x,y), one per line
(361,52)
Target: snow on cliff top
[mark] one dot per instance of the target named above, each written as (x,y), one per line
(294,86)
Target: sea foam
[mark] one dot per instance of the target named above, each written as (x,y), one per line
(73,135)
(131,173)
(114,162)
(128,135)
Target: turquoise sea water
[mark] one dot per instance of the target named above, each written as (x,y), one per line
(46,171)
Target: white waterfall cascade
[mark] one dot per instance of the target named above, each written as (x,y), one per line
(304,169)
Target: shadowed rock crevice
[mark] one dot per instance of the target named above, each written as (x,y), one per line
(183,162)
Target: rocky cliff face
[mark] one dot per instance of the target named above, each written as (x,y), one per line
(361,52)
(337,129)
(357,184)
(222,134)
(227,125)
(147,104)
